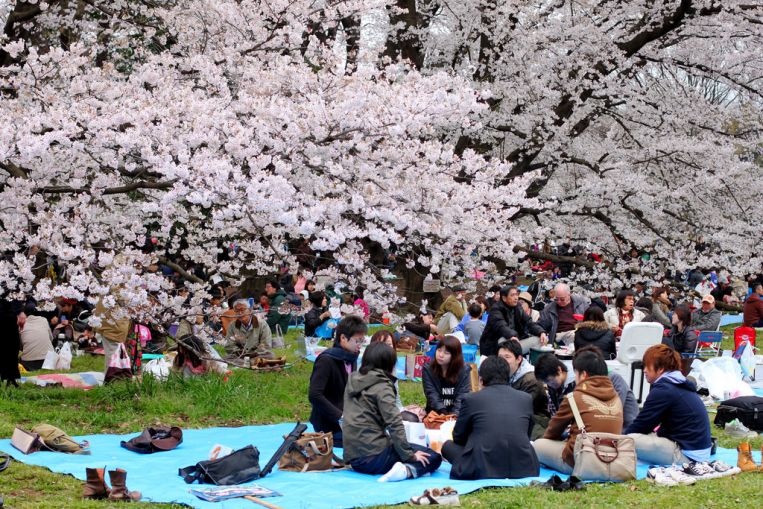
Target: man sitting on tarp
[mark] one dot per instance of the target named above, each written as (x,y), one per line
(247,336)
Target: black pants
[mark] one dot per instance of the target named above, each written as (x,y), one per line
(452,452)
(33,365)
(381,463)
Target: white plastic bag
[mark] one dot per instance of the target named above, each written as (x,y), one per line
(158,368)
(51,358)
(721,375)
(64,362)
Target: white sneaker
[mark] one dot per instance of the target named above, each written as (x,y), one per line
(680,476)
(659,476)
(738,430)
(724,469)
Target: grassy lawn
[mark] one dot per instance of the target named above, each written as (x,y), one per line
(264,398)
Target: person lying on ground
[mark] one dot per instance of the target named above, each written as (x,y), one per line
(674,405)
(523,379)
(623,313)
(594,330)
(558,316)
(507,319)
(553,373)
(374,439)
(491,439)
(707,317)
(600,409)
(446,378)
(248,336)
(331,370)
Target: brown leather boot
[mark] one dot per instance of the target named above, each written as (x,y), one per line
(95,487)
(119,489)
(744,459)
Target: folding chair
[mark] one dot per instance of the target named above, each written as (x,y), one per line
(708,345)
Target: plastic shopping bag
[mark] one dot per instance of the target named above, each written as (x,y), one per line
(64,361)
(51,358)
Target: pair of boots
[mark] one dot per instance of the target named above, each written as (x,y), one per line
(95,487)
(744,459)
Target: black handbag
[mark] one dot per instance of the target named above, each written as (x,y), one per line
(238,467)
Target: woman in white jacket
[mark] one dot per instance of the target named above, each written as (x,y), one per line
(623,313)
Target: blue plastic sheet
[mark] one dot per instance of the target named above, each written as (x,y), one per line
(156,475)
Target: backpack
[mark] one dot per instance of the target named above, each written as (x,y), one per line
(748,409)
(57,440)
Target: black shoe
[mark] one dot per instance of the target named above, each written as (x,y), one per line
(563,486)
(576,484)
(552,484)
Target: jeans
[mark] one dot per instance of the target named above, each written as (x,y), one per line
(658,450)
(550,454)
(381,463)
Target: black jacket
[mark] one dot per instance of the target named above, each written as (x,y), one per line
(684,341)
(494,427)
(326,392)
(313,320)
(506,322)
(442,396)
(597,334)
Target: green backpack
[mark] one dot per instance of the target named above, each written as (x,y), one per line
(58,441)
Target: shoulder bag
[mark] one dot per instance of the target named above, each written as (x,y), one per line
(602,456)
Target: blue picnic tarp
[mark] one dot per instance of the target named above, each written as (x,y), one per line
(156,475)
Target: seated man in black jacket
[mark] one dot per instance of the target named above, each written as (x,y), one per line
(507,319)
(523,379)
(330,373)
(491,439)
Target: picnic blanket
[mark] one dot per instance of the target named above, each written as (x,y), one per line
(85,380)
(156,475)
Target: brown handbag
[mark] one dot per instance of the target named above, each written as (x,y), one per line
(26,442)
(433,420)
(311,452)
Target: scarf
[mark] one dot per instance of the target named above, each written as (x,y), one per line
(341,354)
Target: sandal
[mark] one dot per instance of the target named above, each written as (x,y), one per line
(437,496)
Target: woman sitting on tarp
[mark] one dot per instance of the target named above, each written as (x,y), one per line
(317,316)
(446,378)
(373,433)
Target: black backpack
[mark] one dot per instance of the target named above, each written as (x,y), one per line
(748,409)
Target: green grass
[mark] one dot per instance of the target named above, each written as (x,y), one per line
(263,398)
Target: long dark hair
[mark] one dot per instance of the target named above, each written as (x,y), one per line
(378,356)
(683,311)
(452,345)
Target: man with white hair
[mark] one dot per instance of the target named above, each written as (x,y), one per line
(558,317)
(248,336)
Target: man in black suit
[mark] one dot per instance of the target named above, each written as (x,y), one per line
(491,439)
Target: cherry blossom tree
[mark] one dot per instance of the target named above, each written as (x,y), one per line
(442,130)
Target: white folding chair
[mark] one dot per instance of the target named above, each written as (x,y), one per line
(637,337)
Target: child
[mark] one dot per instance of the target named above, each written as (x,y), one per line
(474,327)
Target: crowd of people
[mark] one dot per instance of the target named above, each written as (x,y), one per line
(522,416)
